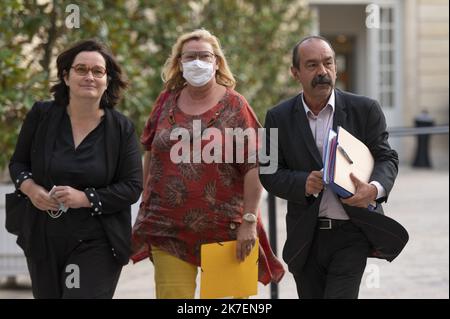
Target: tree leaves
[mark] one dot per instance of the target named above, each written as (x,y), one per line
(256,36)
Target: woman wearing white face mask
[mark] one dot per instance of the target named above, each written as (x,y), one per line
(195,202)
(198,72)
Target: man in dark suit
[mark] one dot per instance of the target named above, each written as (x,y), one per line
(329,238)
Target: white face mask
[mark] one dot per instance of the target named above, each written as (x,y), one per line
(198,72)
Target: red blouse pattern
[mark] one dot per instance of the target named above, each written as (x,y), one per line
(189,204)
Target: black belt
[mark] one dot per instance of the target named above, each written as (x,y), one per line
(327,223)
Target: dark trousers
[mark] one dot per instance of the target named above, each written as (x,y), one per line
(75,269)
(335,265)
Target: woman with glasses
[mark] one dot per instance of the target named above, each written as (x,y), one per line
(78,163)
(198,199)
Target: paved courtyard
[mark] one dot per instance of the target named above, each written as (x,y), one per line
(419,201)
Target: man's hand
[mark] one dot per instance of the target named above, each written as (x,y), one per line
(314,183)
(365,194)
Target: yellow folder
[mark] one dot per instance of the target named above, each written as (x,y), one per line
(223,275)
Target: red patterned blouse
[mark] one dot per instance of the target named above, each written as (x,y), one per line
(189,201)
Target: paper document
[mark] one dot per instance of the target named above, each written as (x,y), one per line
(345,154)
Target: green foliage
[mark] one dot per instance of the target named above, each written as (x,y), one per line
(256,35)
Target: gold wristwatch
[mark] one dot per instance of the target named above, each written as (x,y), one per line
(249,217)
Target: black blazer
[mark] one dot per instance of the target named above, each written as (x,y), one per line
(122,189)
(298,156)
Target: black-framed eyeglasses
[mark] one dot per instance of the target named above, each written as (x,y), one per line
(205,56)
(82,69)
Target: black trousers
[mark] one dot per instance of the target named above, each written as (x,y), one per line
(75,269)
(335,265)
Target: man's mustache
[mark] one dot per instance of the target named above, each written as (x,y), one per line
(321,80)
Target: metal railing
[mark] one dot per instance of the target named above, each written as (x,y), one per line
(424,130)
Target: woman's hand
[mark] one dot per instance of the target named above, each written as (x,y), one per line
(246,238)
(70,197)
(38,195)
(246,235)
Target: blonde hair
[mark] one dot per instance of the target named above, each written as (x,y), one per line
(173,76)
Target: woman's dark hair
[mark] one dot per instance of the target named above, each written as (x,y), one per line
(116,79)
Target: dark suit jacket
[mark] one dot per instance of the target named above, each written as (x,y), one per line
(122,188)
(298,156)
